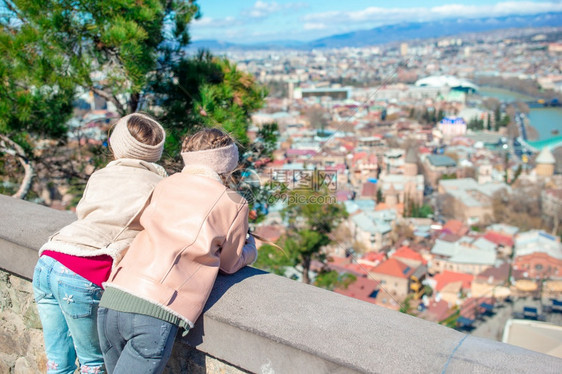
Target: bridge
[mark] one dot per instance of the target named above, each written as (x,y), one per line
(535,145)
(538,145)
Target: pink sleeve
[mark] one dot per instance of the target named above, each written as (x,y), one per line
(235,253)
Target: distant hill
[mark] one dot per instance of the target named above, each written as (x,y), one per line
(399,32)
(435,29)
(211,44)
(276,44)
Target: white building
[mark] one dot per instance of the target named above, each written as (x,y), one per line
(452,126)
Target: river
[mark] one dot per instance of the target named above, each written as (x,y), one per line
(544,120)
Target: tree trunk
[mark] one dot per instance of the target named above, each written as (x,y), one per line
(12,148)
(111,98)
(305,269)
(134,102)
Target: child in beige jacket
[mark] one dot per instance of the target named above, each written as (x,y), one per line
(68,277)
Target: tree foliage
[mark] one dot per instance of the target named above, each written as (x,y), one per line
(476,124)
(520,208)
(331,279)
(416,210)
(119,40)
(35,95)
(49,48)
(204,91)
(311,217)
(129,53)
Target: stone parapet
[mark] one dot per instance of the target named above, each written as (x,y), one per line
(263,323)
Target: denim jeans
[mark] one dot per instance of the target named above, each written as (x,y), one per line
(134,343)
(67,305)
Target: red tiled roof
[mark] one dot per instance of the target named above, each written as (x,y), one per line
(447,277)
(369,189)
(343,195)
(499,239)
(381,206)
(360,269)
(395,268)
(276,163)
(455,227)
(448,237)
(439,310)
(495,274)
(407,252)
(359,155)
(339,261)
(374,256)
(361,289)
(271,233)
(301,152)
(262,161)
(345,264)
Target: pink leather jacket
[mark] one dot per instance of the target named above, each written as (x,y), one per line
(193,227)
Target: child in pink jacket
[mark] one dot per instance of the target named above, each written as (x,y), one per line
(193,227)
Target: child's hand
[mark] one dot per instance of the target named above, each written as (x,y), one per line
(250,252)
(250,241)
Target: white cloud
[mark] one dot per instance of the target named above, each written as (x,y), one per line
(377,15)
(314,26)
(207,22)
(263,9)
(215,22)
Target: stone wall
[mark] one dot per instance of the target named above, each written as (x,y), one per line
(21,338)
(259,322)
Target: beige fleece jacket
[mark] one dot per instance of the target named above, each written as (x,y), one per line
(109,211)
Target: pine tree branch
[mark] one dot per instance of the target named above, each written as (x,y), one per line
(13,8)
(109,97)
(10,147)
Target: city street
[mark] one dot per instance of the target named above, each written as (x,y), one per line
(491,327)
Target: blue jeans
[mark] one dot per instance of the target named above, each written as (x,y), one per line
(67,305)
(134,343)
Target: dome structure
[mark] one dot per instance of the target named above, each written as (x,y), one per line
(447,81)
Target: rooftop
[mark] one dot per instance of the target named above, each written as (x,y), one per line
(458,253)
(446,277)
(408,253)
(395,268)
(441,161)
(499,239)
(446,81)
(545,157)
(538,241)
(370,223)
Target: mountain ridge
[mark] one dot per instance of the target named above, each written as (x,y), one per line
(399,32)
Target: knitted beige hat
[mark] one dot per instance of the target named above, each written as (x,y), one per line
(124,145)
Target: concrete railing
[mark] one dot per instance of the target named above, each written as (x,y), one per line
(263,323)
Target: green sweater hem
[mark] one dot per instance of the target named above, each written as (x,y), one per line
(122,301)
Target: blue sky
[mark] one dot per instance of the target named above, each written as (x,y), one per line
(250,21)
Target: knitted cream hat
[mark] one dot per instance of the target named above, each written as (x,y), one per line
(222,160)
(124,145)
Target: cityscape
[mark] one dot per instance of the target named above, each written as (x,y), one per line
(421,175)
(417,137)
